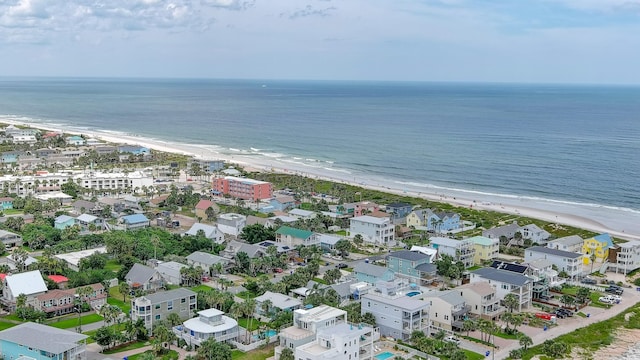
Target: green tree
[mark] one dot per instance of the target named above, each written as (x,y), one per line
(287,354)
(343,246)
(583,295)
(567,300)
(525,341)
(332,275)
(511,302)
(358,240)
(124,289)
(104,336)
(210,349)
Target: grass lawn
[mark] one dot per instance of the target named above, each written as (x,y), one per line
(320,281)
(258,354)
(114,292)
(473,355)
(125,307)
(12,211)
(172,355)
(6,325)
(113,265)
(246,295)
(13,317)
(255,324)
(132,346)
(508,336)
(201,288)
(73,322)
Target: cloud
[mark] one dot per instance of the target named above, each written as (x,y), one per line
(309,10)
(230,4)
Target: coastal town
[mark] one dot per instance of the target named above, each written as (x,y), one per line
(116,250)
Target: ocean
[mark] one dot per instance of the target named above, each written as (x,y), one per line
(573,146)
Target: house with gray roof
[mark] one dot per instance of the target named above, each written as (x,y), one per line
(170,271)
(569,262)
(507,282)
(156,307)
(507,231)
(37,341)
(447,310)
(396,316)
(372,273)
(63,221)
(405,264)
(234,247)
(29,283)
(572,243)
(534,233)
(144,278)
(87,221)
(206,260)
(459,250)
(10,239)
(427,219)
(277,301)
(210,232)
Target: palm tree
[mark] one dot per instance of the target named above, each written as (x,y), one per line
(249,306)
(109,313)
(468,326)
(124,289)
(266,307)
(511,302)
(286,354)
(163,334)
(525,341)
(173,319)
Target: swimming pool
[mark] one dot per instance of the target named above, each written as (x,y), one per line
(383,356)
(268,333)
(414,293)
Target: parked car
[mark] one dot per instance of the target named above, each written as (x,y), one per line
(559,314)
(452,339)
(567,312)
(589,281)
(613,289)
(342,266)
(607,300)
(615,297)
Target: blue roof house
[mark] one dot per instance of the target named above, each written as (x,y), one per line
(372,273)
(135,221)
(63,221)
(37,341)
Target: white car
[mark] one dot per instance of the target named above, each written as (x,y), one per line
(607,300)
(452,339)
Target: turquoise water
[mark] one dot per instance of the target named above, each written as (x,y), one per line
(414,293)
(385,355)
(269,333)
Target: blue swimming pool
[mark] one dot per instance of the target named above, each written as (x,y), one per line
(414,293)
(383,356)
(268,333)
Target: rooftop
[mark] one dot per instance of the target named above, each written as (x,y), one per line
(278,300)
(556,252)
(293,232)
(503,276)
(409,255)
(162,296)
(42,337)
(402,302)
(483,241)
(371,219)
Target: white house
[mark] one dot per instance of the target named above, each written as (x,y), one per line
(506,282)
(572,243)
(302,214)
(29,283)
(628,257)
(373,229)
(343,341)
(534,233)
(209,231)
(231,224)
(460,250)
(170,271)
(210,323)
(566,261)
(396,316)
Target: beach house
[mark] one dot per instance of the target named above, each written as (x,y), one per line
(208,231)
(135,221)
(398,210)
(447,311)
(482,299)
(373,229)
(206,261)
(36,341)
(144,278)
(408,264)
(156,307)
(291,236)
(300,214)
(627,257)
(427,219)
(508,231)
(506,282)
(396,316)
(10,239)
(339,341)
(29,283)
(534,233)
(6,203)
(210,323)
(231,223)
(572,243)
(459,250)
(371,274)
(202,206)
(282,202)
(597,248)
(267,303)
(485,249)
(569,262)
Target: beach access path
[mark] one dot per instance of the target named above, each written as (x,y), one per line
(630,297)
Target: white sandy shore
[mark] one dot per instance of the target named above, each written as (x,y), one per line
(620,224)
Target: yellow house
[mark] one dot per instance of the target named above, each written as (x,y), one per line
(485,249)
(599,246)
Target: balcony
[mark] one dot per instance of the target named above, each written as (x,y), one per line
(461,312)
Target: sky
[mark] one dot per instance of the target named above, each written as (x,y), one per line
(539,41)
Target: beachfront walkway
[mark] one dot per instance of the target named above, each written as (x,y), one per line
(629,299)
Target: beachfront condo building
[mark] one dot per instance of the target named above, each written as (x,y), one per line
(52,182)
(397,315)
(241,188)
(373,230)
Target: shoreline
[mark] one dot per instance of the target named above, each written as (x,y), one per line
(560,212)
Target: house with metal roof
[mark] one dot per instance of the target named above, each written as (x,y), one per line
(170,271)
(10,239)
(36,341)
(209,231)
(572,243)
(29,283)
(235,247)
(410,265)
(63,221)
(371,274)
(292,236)
(87,221)
(506,282)
(278,301)
(427,219)
(598,246)
(202,206)
(396,316)
(210,323)
(156,307)
(566,261)
(327,242)
(485,249)
(447,310)
(144,278)
(135,221)
(507,231)
(282,202)
(302,214)
(205,260)
(534,233)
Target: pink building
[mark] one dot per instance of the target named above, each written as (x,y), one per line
(247,189)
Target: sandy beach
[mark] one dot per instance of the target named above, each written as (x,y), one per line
(602,220)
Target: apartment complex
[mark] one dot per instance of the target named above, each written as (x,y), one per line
(246,189)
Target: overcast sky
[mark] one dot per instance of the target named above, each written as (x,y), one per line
(559,41)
